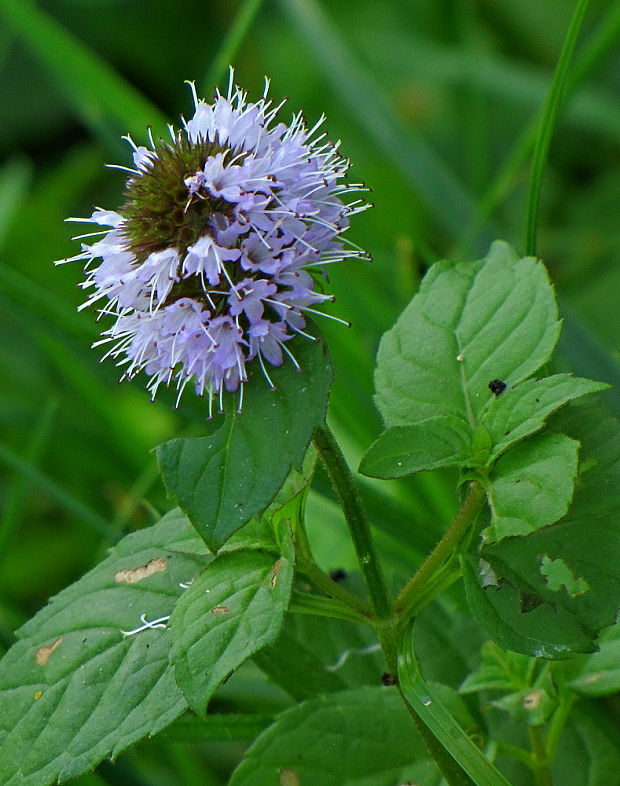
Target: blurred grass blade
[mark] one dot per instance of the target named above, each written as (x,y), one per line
(595,107)
(50,487)
(99,96)
(449,201)
(599,45)
(444,728)
(230,45)
(17,493)
(548,123)
(14,181)
(33,296)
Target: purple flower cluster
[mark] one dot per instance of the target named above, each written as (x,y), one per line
(216,254)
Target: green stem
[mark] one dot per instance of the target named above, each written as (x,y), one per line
(305,603)
(549,119)
(558,721)
(602,41)
(307,565)
(361,535)
(409,599)
(334,590)
(542,773)
(519,754)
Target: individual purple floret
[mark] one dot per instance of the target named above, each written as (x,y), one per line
(218,250)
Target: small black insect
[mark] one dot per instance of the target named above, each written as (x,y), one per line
(389,679)
(338,575)
(497,387)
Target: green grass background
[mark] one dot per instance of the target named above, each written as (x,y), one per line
(435,102)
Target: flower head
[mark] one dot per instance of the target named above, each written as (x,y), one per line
(218,250)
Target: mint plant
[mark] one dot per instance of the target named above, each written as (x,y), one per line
(211,270)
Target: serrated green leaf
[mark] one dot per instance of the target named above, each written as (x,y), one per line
(284,512)
(74,689)
(586,540)
(443,441)
(223,480)
(588,753)
(531,486)
(471,323)
(499,670)
(528,692)
(523,622)
(351,738)
(600,673)
(522,410)
(232,610)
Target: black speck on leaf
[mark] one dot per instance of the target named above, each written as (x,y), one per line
(497,386)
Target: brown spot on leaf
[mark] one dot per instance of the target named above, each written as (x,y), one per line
(288,778)
(274,573)
(38,695)
(220,610)
(43,654)
(592,678)
(531,701)
(133,575)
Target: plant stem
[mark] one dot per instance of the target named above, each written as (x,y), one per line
(334,590)
(549,119)
(409,599)
(558,721)
(542,773)
(307,566)
(307,603)
(361,534)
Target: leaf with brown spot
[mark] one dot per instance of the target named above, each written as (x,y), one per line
(73,689)
(274,573)
(44,653)
(211,641)
(133,575)
(288,778)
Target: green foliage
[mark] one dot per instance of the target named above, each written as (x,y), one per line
(350,738)
(76,688)
(462,762)
(532,485)
(584,539)
(441,441)
(599,675)
(233,609)
(223,480)
(526,686)
(523,409)
(470,323)
(438,114)
(466,346)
